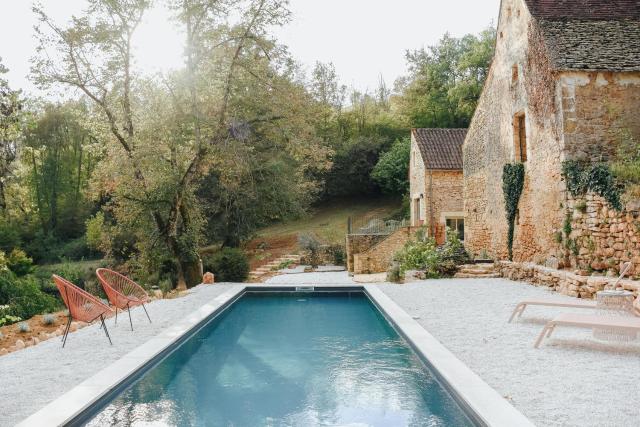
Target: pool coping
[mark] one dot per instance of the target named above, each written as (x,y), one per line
(482,403)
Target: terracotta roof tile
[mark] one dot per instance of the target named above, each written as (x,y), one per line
(440,148)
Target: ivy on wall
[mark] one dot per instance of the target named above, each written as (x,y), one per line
(583,177)
(512,185)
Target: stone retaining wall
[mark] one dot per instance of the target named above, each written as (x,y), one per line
(378,258)
(357,243)
(564,282)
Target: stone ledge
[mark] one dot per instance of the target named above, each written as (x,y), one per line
(562,281)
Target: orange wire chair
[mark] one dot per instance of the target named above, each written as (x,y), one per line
(82,306)
(123,293)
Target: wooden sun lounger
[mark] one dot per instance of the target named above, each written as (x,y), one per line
(578,303)
(627,324)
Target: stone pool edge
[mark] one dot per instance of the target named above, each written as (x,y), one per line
(470,391)
(487,407)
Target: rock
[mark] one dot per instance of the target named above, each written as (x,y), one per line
(3,351)
(20,345)
(35,341)
(208,278)
(74,327)
(552,262)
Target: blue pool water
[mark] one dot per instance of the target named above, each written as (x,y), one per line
(289,360)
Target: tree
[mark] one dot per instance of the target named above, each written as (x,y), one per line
(445,80)
(11,123)
(391,172)
(175,132)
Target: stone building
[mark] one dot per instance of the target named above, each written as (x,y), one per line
(435,180)
(564,84)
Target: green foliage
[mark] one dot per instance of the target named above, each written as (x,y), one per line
(583,177)
(566,225)
(626,167)
(394,275)
(8,319)
(23,295)
(391,173)
(512,185)
(337,254)
(20,263)
(446,80)
(581,206)
(424,254)
(228,265)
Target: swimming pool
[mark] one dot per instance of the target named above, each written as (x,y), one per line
(298,359)
(168,378)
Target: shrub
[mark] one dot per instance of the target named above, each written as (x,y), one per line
(311,245)
(23,327)
(391,172)
(424,254)
(8,319)
(228,265)
(23,295)
(20,263)
(394,275)
(48,319)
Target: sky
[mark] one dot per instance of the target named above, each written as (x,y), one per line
(364,39)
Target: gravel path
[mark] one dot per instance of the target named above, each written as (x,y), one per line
(33,377)
(571,380)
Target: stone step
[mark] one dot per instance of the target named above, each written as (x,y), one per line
(475,271)
(461,275)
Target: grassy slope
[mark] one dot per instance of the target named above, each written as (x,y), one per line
(329,222)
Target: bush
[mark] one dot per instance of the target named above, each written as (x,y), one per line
(228,265)
(20,263)
(424,254)
(24,297)
(391,172)
(337,254)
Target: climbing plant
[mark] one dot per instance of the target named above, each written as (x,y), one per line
(582,177)
(512,185)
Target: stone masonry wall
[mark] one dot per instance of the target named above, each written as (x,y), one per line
(595,108)
(601,238)
(416,180)
(444,195)
(356,243)
(564,282)
(514,86)
(378,258)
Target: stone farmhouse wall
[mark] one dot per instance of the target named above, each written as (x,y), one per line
(357,243)
(568,115)
(511,88)
(417,179)
(379,257)
(438,192)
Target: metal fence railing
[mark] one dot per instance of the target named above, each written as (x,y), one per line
(367,224)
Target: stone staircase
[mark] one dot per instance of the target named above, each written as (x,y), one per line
(268,267)
(476,271)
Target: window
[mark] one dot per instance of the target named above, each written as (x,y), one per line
(520,137)
(456,224)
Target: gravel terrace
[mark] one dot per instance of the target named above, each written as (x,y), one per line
(572,380)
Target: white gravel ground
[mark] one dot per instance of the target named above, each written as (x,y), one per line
(33,377)
(572,380)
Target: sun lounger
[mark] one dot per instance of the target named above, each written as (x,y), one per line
(622,324)
(577,303)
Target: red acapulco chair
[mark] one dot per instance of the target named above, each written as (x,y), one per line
(123,293)
(82,306)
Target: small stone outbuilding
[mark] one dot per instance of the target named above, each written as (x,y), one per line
(564,84)
(435,180)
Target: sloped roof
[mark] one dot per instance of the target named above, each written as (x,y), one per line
(590,34)
(440,148)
